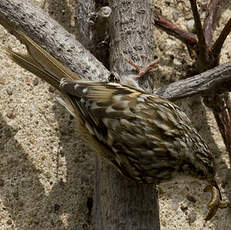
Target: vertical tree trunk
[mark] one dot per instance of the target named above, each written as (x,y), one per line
(125,204)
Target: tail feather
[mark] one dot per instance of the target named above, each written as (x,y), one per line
(46,67)
(41,63)
(28,63)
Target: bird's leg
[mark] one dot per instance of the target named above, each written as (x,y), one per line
(140,70)
(215,201)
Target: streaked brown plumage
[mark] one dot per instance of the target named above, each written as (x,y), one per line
(149,139)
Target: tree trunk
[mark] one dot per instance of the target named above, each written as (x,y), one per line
(126,204)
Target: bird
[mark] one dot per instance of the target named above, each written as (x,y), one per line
(147,138)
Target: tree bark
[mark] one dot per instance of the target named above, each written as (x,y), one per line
(216,81)
(92,22)
(126,204)
(60,44)
(54,38)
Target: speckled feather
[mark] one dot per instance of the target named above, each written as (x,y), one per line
(148,138)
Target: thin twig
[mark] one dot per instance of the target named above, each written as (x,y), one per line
(216,49)
(203,50)
(228,104)
(166,25)
(223,119)
(210,20)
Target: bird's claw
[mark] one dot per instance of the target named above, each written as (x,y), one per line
(215,201)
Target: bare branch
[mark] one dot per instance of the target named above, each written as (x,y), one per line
(210,20)
(216,49)
(92,24)
(222,117)
(166,25)
(216,80)
(203,50)
(52,36)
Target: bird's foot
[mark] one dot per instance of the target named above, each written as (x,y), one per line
(215,201)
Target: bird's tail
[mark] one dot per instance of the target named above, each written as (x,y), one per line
(46,67)
(41,63)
